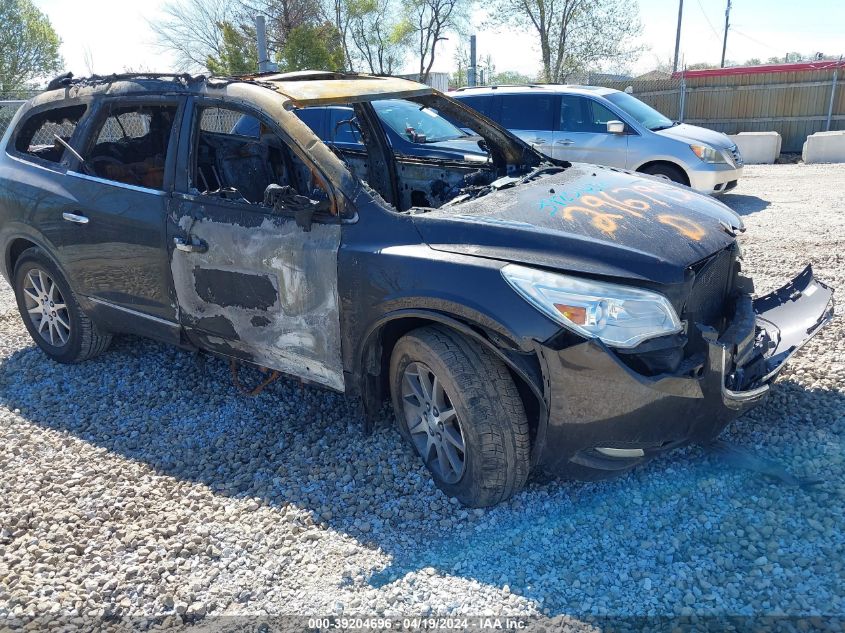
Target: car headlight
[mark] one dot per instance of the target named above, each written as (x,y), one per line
(620,316)
(708,154)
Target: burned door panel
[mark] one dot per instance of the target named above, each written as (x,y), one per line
(264,290)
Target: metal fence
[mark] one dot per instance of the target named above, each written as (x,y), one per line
(7,112)
(793,104)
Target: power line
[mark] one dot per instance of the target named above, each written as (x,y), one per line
(755,40)
(706,19)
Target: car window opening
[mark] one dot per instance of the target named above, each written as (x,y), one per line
(424,183)
(131,146)
(239,158)
(435,160)
(417,123)
(37,137)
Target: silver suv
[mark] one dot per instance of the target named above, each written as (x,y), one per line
(599,125)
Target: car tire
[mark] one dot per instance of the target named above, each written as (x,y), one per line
(61,329)
(667,172)
(473,401)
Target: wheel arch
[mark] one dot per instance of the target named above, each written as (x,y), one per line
(668,163)
(373,361)
(14,250)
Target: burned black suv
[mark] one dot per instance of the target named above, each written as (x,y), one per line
(520,312)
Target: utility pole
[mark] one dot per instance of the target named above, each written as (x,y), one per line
(264,63)
(472,71)
(725,41)
(678,35)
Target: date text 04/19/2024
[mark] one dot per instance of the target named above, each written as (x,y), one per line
(418,623)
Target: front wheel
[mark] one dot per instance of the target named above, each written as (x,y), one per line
(667,172)
(461,411)
(51,313)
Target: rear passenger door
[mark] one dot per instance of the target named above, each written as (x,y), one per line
(532,117)
(250,282)
(112,242)
(583,135)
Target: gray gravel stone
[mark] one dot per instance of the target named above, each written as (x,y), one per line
(142,484)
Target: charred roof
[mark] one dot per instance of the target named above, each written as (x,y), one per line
(303,88)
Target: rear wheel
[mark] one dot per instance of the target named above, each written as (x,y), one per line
(666,172)
(459,408)
(51,313)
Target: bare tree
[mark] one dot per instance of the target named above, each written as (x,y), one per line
(88,58)
(432,20)
(337,11)
(574,34)
(193,29)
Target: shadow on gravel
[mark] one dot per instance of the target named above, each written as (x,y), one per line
(743,204)
(684,529)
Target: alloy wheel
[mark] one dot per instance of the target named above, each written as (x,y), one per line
(46,307)
(433,422)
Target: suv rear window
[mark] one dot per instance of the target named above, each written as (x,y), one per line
(37,136)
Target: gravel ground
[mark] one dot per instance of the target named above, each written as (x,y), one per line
(141,484)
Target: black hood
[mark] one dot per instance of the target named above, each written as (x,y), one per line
(589,219)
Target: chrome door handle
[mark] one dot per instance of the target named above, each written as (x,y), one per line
(192,245)
(565,141)
(75,218)
(539,141)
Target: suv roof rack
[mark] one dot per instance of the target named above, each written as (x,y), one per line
(68,79)
(493,87)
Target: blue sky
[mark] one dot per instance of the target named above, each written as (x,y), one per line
(117,35)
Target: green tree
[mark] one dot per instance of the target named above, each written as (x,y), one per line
(29,47)
(238,52)
(380,37)
(312,47)
(701,66)
(510,78)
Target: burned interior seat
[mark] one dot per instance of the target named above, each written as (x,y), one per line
(130,159)
(248,166)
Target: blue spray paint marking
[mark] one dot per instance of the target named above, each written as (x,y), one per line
(561,200)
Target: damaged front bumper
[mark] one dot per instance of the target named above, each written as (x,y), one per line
(605,417)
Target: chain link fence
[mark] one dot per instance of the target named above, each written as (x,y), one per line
(221,120)
(8,109)
(129,124)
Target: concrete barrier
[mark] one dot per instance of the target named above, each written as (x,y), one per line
(824,147)
(758,148)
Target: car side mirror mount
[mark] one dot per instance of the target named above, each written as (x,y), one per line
(284,199)
(615,127)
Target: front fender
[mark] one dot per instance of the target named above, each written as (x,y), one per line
(372,353)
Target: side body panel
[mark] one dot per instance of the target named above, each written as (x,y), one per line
(389,277)
(119,256)
(264,291)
